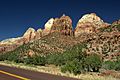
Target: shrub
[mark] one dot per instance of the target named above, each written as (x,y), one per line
(11,56)
(73,67)
(112,65)
(109,65)
(93,62)
(36,60)
(3,56)
(56,59)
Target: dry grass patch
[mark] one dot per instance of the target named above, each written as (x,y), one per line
(51,69)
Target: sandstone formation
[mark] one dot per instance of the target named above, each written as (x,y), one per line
(13,43)
(89,23)
(116,22)
(29,35)
(48,26)
(38,34)
(88,28)
(62,25)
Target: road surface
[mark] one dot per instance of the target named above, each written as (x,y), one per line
(12,73)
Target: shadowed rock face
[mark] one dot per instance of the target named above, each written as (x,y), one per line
(89,23)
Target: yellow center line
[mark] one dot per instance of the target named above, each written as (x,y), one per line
(13,75)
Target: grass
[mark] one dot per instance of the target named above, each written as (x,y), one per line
(51,69)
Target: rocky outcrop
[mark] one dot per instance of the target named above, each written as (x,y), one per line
(116,22)
(106,44)
(62,25)
(89,23)
(29,35)
(48,26)
(38,34)
(13,43)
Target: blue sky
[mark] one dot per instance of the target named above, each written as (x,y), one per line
(16,16)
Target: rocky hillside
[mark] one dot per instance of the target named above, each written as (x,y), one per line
(58,36)
(104,43)
(13,43)
(52,43)
(89,23)
(63,25)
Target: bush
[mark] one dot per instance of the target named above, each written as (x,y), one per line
(3,56)
(112,65)
(36,60)
(11,56)
(93,62)
(109,65)
(73,67)
(56,59)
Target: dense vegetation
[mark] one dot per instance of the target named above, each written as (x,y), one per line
(73,60)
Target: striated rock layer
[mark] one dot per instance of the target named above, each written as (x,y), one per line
(13,43)
(62,25)
(89,23)
(48,26)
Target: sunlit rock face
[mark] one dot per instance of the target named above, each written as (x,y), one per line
(89,23)
(48,26)
(11,44)
(62,25)
(29,35)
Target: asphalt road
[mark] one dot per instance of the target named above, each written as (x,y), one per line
(12,73)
